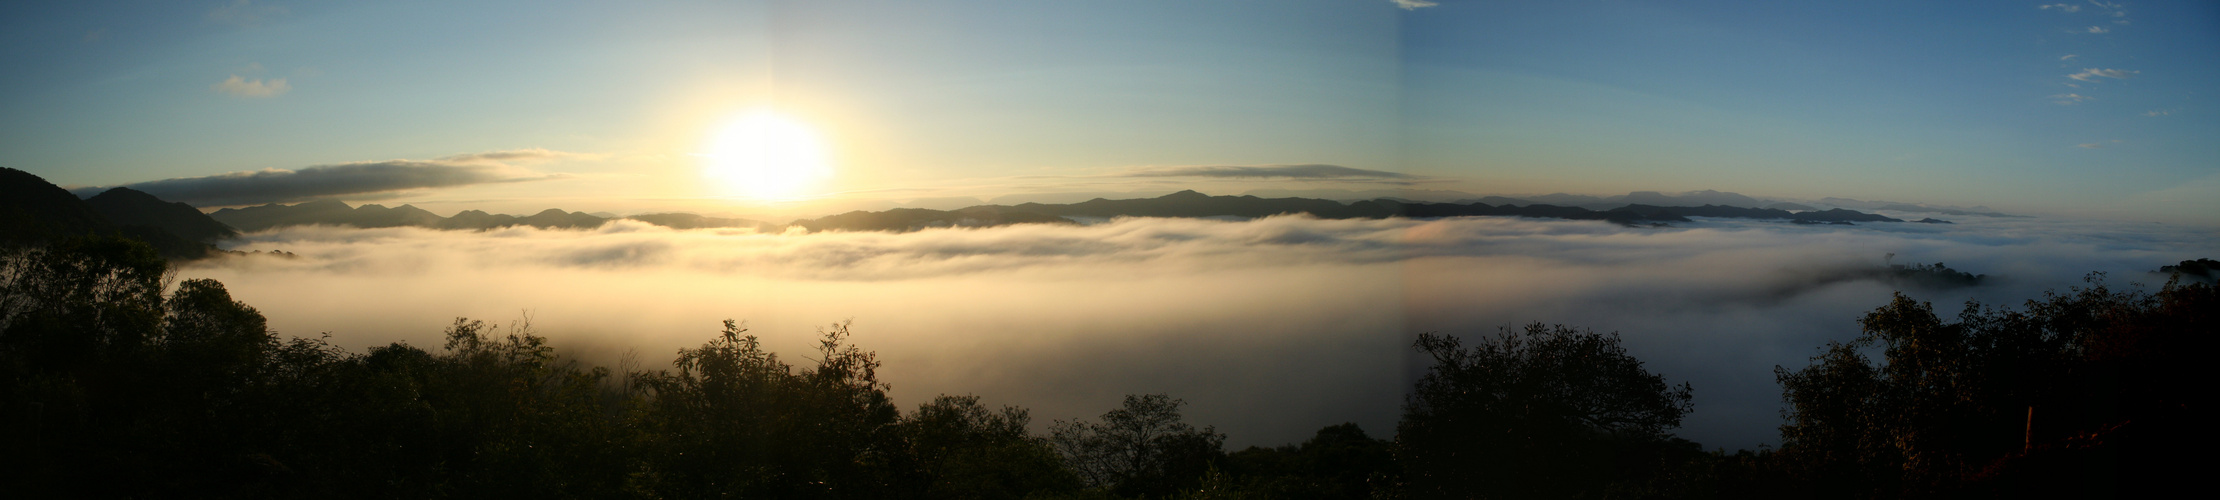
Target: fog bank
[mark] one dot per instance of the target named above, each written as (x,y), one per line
(1270,328)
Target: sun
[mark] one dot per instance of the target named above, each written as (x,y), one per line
(766,156)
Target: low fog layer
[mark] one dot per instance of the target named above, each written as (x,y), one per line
(1270,328)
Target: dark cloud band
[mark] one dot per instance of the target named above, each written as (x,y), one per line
(1309,171)
(357,180)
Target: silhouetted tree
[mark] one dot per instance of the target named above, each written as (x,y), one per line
(736,421)
(2061,386)
(967,451)
(1141,448)
(1340,461)
(1536,412)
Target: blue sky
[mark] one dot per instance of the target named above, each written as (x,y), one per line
(2092,109)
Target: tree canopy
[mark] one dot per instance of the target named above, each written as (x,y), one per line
(2031,399)
(1536,411)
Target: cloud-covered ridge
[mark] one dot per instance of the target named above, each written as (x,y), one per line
(1306,171)
(342,180)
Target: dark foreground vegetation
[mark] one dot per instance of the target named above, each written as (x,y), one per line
(114,384)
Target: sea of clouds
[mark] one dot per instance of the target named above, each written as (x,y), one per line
(1269,328)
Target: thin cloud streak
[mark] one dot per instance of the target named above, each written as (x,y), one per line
(241,87)
(1413,4)
(2092,74)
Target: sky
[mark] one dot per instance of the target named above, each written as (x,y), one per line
(2095,117)
(2083,109)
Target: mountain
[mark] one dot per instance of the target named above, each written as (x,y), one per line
(1605,203)
(1913,207)
(912,219)
(1180,204)
(1841,216)
(336,213)
(1190,204)
(130,207)
(691,221)
(34,212)
(1421,195)
(1194,204)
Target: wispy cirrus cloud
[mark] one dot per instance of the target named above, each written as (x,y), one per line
(1302,172)
(2061,7)
(2092,74)
(359,179)
(1413,4)
(2069,99)
(2098,30)
(241,87)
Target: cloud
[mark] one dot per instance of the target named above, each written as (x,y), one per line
(2091,74)
(517,155)
(2098,30)
(242,87)
(2091,145)
(1307,172)
(1413,4)
(245,13)
(1273,327)
(2061,7)
(361,180)
(2070,99)
(2157,113)
(2067,57)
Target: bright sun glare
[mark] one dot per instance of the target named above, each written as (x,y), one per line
(766,155)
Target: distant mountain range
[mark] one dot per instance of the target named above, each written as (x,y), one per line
(1180,204)
(335,213)
(1194,204)
(1600,203)
(35,212)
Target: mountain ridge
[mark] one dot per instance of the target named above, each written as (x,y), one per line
(1186,203)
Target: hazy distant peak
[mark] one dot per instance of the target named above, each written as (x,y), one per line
(326,203)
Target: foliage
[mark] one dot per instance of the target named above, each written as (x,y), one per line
(966,451)
(1952,406)
(1141,448)
(736,421)
(116,382)
(1340,461)
(1540,411)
